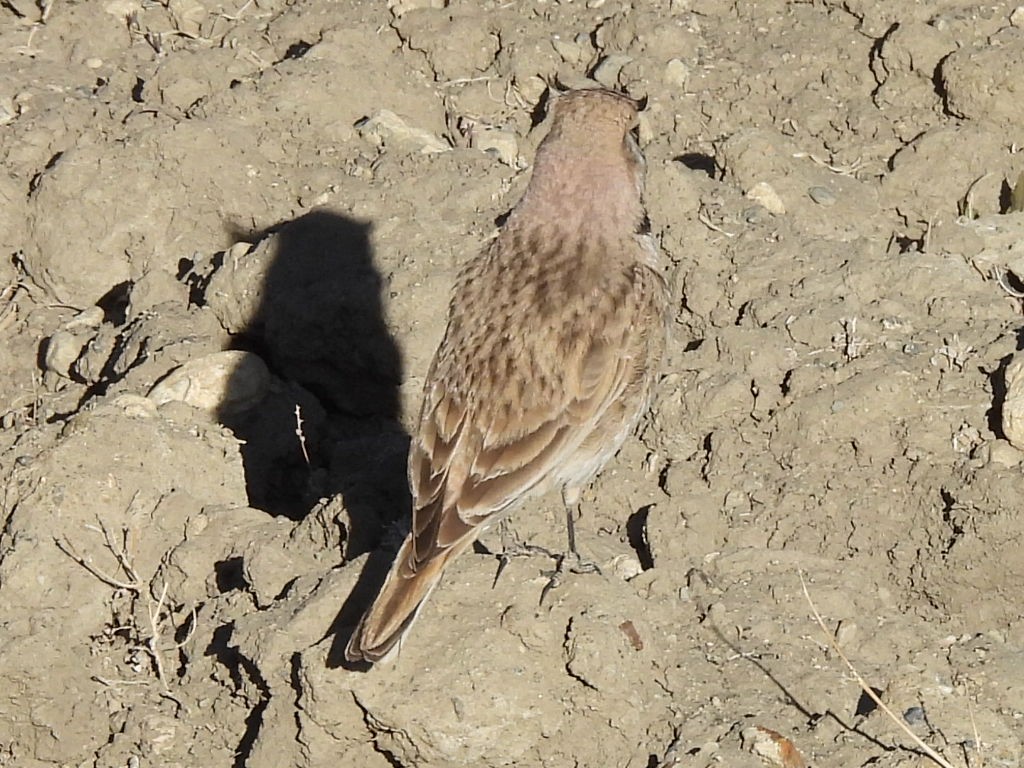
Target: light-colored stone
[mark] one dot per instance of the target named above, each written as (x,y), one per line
(1013,404)
(62,350)
(765,194)
(1002,454)
(224,382)
(386,129)
(135,406)
(626,567)
(502,144)
(676,74)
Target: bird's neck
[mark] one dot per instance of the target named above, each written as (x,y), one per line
(585,194)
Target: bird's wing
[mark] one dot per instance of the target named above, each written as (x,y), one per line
(474,457)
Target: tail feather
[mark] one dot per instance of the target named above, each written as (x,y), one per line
(396,607)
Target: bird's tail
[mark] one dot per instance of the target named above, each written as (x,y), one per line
(395,608)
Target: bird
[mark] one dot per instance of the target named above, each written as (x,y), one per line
(553,344)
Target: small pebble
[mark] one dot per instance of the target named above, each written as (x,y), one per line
(607,72)
(822,195)
(1017,16)
(765,194)
(676,73)
(756,214)
(570,51)
(500,144)
(62,350)
(914,715)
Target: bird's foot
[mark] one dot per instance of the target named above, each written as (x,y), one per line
(517,548)
(567,562)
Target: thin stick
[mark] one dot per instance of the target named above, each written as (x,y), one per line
(864,686)
(299,434)
(66,547)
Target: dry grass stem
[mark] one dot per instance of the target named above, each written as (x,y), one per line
(863,684)
(1001,277)
(705,219)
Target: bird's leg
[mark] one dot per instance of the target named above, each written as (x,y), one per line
(571,500)
(571,560)
(512,546)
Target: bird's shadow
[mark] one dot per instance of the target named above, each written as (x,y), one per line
(329,424)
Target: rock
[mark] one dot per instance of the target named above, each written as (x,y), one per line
(570,51)
(502,144)
(399,8)
(772,747)
(1002,454)
(822,195)
(136,406)
(312,293)
(231,381)
(64,350)
(188,16)
(88,319)
(626,567)
(385,129)
(91,364)
(235,291)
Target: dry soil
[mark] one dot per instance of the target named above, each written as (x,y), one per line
(228,232)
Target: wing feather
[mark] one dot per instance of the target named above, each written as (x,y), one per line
(462,474)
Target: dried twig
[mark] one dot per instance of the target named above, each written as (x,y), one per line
(299,434)
(156,607)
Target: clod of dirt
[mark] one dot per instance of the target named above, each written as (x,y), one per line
(432,32)
(985,83)
(777,173)
(1013,402)
(972,175)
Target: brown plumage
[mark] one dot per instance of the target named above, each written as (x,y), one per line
(554,338)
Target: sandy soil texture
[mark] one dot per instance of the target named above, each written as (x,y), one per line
(228,232)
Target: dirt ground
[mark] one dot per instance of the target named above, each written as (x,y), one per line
(228,232)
